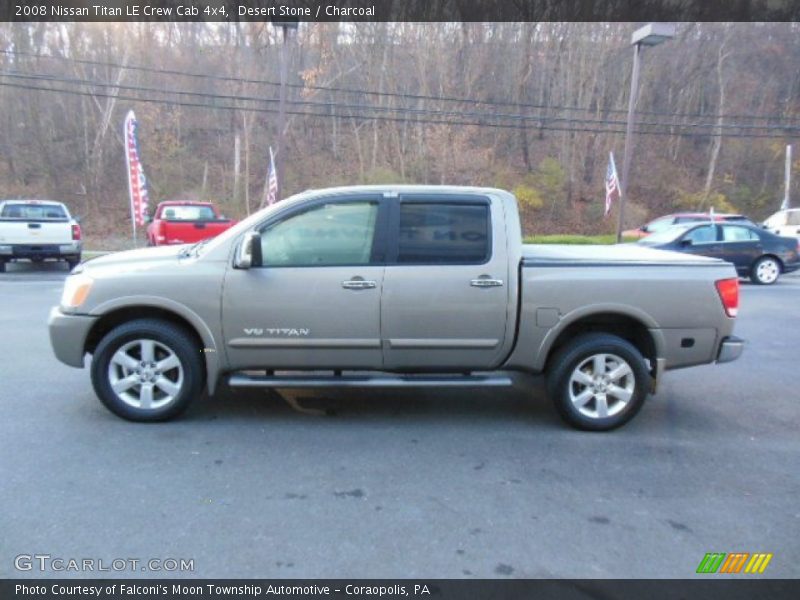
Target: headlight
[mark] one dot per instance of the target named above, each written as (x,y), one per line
(76,290)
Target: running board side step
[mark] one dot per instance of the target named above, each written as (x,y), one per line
(369,381)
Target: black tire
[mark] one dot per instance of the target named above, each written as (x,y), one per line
(73,262)
(166,335)
(761,274)
(2,266)
(568,361)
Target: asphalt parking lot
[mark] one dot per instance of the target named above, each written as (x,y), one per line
(411,484)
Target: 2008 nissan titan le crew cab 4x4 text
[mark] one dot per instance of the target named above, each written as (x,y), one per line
(388,286)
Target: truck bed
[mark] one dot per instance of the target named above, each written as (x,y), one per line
(563,254)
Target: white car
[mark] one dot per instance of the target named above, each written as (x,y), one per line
(784,222)
(38,230)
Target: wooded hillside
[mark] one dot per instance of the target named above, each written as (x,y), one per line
(530,107)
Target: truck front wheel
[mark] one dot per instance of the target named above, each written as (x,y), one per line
(598,381)
(147,370)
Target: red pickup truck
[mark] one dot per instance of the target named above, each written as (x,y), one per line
(177,222)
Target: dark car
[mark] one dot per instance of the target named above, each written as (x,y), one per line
(668,221)
(755,252)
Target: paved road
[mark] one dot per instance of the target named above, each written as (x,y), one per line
(456,484)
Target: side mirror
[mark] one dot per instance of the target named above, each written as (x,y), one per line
(643,228)
(686,243)
(248,254)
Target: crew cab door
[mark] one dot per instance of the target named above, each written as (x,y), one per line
(314,301)
(446,287)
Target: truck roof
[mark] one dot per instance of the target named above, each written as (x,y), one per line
(32,201)
(184,203)
(407,189)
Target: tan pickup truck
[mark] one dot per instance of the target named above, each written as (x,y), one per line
(389,286)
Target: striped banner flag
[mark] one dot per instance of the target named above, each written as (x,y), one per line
(271,186)
(612,183)
(137,182)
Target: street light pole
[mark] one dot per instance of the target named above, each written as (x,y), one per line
(651,34)
(282,112)
(626,158)
(285,25)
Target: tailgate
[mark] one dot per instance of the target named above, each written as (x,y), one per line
(13,231)
(187,232)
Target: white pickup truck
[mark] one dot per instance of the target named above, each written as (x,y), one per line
(38,230)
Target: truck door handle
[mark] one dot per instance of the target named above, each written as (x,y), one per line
(485,282)
(359,284)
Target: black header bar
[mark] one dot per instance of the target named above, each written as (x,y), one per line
(292,11)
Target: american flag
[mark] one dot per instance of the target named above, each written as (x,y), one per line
(137,182)
(271,187)
(612,183)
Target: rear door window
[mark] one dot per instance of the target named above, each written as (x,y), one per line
(732,233)
(189,213)
(34,212)
(440,233)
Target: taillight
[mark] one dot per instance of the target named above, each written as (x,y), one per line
(728,290)
(76,232)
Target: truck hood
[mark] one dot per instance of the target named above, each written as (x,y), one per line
(131,258)
(619,253)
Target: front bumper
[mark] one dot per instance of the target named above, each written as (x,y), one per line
(68,336)
(730,349)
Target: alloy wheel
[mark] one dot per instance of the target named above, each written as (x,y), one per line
(601,386)
(145,374)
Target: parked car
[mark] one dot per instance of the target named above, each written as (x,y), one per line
(415,285)
(178,222)
(755,253)
(784,222)
(664,223)
(38,230)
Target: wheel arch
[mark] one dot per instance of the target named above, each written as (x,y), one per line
(634,326)
(120,311)
(775,257)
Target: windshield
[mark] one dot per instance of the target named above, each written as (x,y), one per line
(658,225)
(666,236)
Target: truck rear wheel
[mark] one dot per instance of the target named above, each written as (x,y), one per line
(598,381)
(147,370)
